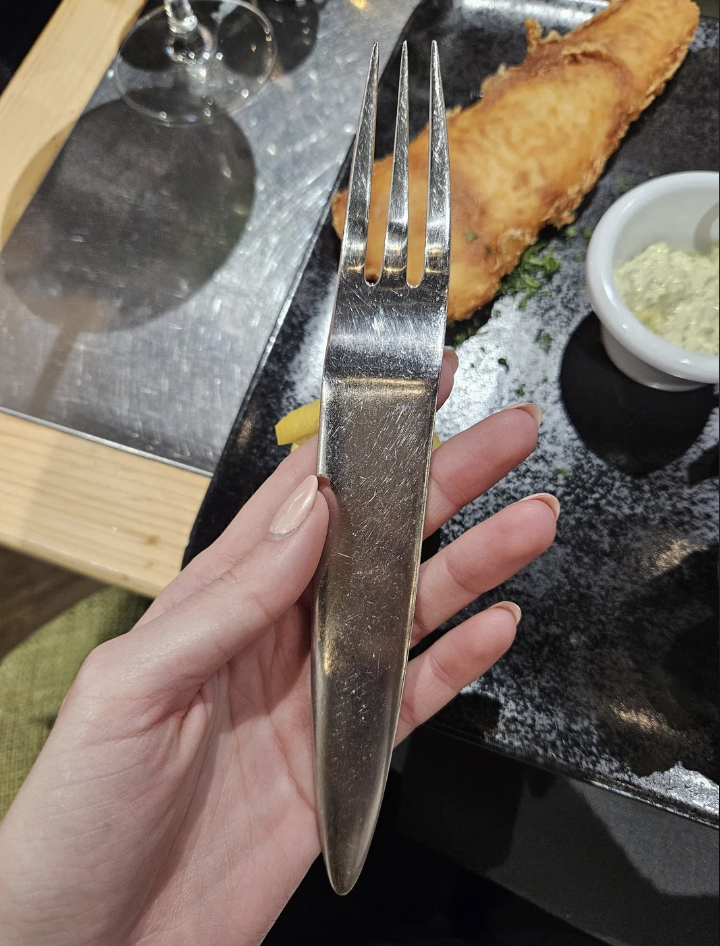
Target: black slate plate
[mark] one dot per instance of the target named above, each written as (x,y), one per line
(614,676)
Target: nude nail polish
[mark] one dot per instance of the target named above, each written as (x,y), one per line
(546,498)
(511,607)
(532,409)
(295,509)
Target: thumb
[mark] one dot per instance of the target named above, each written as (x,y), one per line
(177,652)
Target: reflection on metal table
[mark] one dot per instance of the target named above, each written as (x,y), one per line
(139,289)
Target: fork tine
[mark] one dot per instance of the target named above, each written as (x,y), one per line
(354,246)
(396,241)
(437,246)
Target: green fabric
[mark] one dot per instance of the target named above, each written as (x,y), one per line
(36,675)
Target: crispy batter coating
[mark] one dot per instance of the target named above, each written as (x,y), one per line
(525,155)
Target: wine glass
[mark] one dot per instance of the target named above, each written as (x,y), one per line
(185,63)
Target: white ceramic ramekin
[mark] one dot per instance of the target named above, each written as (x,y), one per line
(681,210)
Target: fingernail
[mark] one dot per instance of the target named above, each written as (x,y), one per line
(295,510)
(511,607)
(532,409)
(548,499)
(450,356)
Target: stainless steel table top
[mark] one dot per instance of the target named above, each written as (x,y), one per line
(139,289)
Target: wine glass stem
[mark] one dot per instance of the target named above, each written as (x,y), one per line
(187,42)
(180,16)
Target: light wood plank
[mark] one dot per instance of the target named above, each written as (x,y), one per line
(100,511)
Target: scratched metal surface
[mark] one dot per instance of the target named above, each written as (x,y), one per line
(380,388)
(614,675)
(139,289)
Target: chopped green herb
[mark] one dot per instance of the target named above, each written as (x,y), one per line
(544,340)
(504,363)
(578,257)
(625,183)
(569,233)
(550,264)
(586,234)
(530,273)
(545,380)
(460,338)
(651,174)
(520,391)
(471,237)
(562,471)
(488,251)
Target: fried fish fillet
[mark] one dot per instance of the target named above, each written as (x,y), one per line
(525,155)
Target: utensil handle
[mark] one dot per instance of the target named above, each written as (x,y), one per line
(374,459)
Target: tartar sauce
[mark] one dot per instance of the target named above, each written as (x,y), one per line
(676,294)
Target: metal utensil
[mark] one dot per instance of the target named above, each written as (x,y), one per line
(379,394)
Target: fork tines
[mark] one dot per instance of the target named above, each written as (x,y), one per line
(437,246)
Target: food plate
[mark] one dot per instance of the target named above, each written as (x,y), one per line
(613,678)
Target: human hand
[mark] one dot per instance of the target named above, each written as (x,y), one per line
(173,801)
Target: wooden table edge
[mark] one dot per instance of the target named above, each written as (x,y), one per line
(98,510)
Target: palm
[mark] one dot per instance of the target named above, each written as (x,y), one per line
(268,709)
(255,796)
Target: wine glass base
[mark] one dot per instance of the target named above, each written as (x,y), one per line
(230,64)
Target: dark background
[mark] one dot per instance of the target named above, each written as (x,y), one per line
(22,24)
